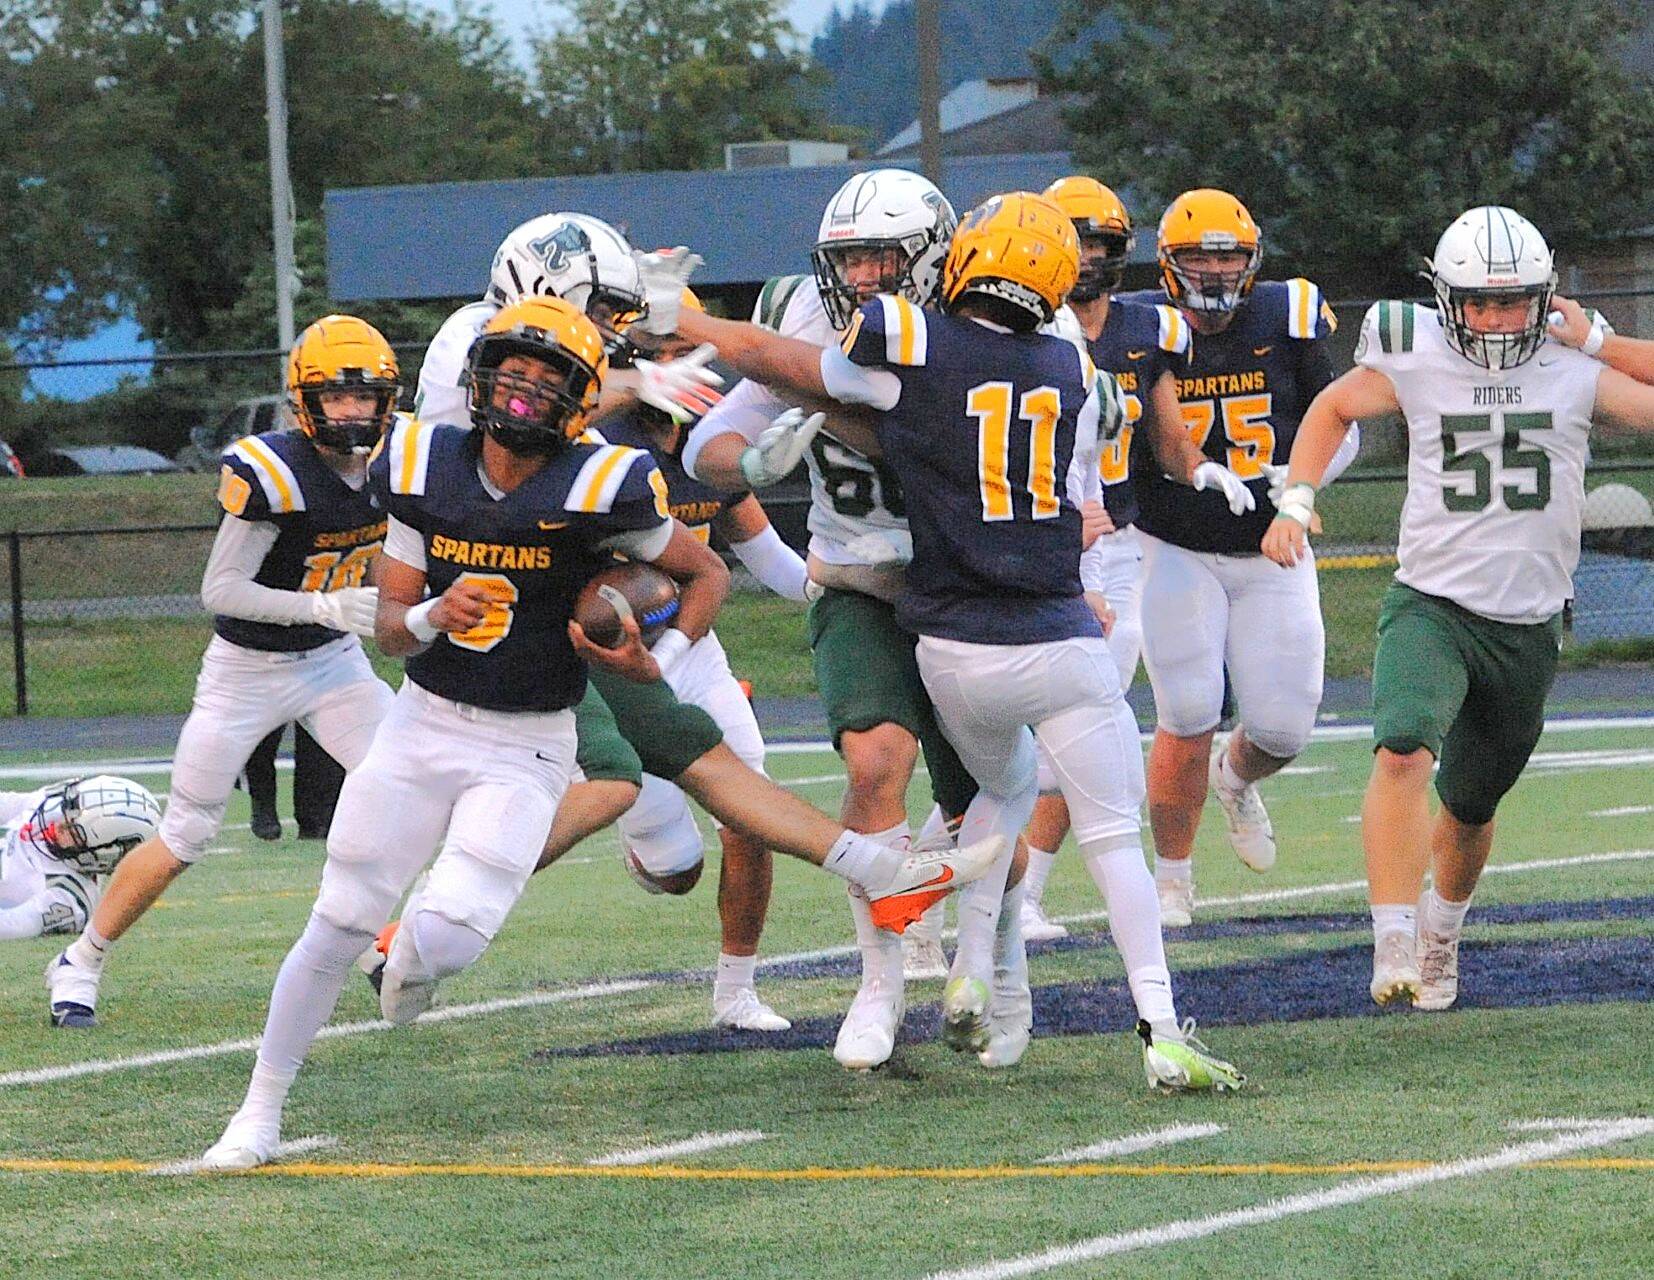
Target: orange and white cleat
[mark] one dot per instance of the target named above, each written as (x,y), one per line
(926,877)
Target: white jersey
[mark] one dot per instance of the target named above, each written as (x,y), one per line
(38,893)
(1495,467)
(442,395)
(856,512)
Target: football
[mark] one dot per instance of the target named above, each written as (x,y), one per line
(626,589)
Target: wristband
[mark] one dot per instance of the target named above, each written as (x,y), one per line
(1297,503)
(1594,340)
(418,621)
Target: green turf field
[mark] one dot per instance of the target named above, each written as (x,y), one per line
(460,1148)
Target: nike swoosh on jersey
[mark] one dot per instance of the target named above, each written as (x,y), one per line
(549,525)
(1263,351)
(1137,355)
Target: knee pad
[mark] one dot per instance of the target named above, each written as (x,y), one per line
(659,834)
(188,826)
(1283,740)
(359,889)
(467,890)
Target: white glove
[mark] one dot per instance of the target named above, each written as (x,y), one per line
(1208,475)
(1276,475)
(667,650)
(349,609)
(664,276)
(779,447)
(678,387)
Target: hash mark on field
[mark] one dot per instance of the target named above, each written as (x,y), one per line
(1558,1124)
(1343,1193)
(297,1147)
(1135,1142)
(688,1147)
(1628,811)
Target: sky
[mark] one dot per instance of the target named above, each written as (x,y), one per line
(518,16)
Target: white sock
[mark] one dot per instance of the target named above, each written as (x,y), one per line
(1394,918)
(1040,862)
(864,861)
(1151,992)
(1134,921)
(1231,779)
(935,831)
(307,987)
(881,950)
(89,949)
(979,902)
(1173,870)
(267,1093)
(734,973)
(1440,916)
(1010,956)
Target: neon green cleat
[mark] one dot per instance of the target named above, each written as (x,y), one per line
(965,1015)
(1184,1064)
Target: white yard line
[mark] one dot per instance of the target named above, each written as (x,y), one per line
(1131,1144)
(1333,1197)
(688,1147)
(1630,810)
(1558,1124)
(103,1066)
(297,1147)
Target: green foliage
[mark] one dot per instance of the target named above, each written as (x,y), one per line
(1357,129)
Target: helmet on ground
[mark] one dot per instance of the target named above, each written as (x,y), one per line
(92,823)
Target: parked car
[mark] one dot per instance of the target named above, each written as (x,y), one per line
(249,417)
(104,460)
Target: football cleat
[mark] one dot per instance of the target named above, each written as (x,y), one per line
(372,961)
(247,1143)
(1182,1064)
(74,992)
(867,1036)
(1438,960)
(1037,926)
(1177,902)
(1395,969)
(926,877)
(1010,1021)
(922,957)
(965,1015)
(742,1010)
(1251,834)
(265,825)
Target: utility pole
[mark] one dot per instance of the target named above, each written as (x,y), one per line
(929,22)
(281,188)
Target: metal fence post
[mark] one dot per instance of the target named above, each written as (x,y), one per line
(14,542)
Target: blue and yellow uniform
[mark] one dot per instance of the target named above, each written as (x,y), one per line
(984,437)
(327,532)
(694,502)
(1138,343)
(532,549)
(1243,393)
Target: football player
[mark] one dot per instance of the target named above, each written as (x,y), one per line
(1210,603)
(993,429)
(56,846)
(1142,346)
(285,581)
(1498,423)
(884,231)
(503,525)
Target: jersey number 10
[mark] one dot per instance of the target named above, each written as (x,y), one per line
(990,404)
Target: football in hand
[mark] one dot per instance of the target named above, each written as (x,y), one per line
(626,589)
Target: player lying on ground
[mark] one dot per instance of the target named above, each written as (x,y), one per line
(58,844)
(284,580)
(1498,421)
(503,525)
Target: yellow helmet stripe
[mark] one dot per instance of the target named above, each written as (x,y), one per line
(281,486)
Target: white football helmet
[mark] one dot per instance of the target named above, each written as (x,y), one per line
(890,209)
(1492,252)
(572,256)
(92,823)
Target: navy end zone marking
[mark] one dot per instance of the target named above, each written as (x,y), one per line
(1300,987)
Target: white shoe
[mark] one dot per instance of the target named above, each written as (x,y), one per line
(1037,926)
(74,992)
(926,877)
(405,989)
(922,957)
(1438,958)
(1010,1022)
(1251,834)
(1395,969)
(867,1037)
(1177,902)
(247,1143)
(965,1014)
(744,1011)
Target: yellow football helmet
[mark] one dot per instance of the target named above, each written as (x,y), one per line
(1018,247)
(1103,224)
(536,410)
(1212,220)
(342,353)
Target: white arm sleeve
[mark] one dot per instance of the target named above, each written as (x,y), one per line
(405,543)
(773,563)
(227,586)
(849,383)
(641,544)
(745,411)
(1346,454)
(14,804)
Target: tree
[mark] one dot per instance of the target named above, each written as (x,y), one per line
(663,84)
(1357,129)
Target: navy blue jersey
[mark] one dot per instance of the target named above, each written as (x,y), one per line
(983,439)
(326,532)
(532,549)
(1138,343)
(692,501)
(1243,394)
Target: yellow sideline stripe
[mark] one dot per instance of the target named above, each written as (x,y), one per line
(1355,562)
(867,1173)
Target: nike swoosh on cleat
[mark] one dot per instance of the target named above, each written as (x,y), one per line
(944,878)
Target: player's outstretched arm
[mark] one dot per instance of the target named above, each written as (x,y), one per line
(753,539)
(1624,403)
(1573,326)
(759,353)
(1360,393)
